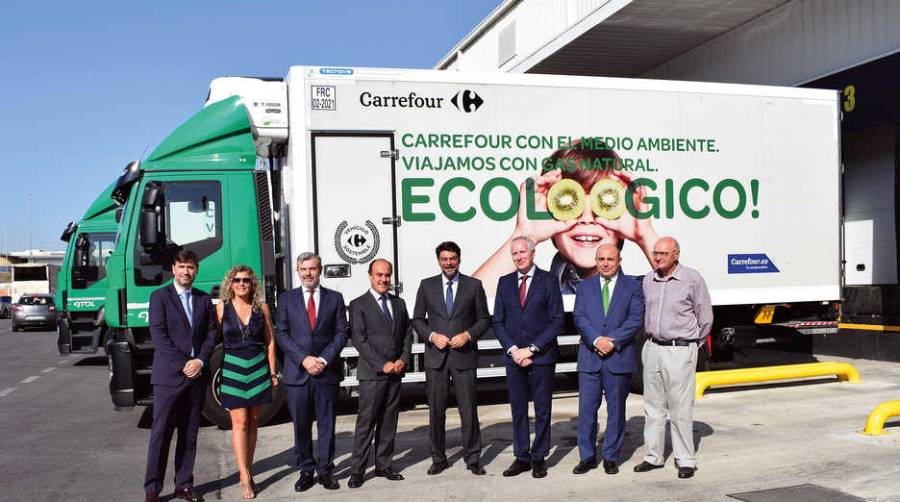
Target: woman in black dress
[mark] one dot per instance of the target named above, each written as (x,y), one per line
(248,371)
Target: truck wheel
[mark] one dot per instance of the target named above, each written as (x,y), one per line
(212,406)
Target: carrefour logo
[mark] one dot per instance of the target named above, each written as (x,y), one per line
(756,263)
(467,101)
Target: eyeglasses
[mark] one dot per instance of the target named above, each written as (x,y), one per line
(239,280)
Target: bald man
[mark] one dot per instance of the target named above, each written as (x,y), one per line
(677,319)
(609,311)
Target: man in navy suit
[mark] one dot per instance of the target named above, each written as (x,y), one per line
(183,329)
(528,316)
(311,328)
(609,310)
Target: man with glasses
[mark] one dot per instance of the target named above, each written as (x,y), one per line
(677,318)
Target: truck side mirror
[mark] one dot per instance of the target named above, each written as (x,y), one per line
(149,224)
(151,237)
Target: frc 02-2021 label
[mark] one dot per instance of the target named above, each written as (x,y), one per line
(323,97)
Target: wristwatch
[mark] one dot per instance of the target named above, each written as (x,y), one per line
(533,349)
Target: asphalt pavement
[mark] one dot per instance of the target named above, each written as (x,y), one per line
(60,439)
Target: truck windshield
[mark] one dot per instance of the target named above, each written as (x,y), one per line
(91,253)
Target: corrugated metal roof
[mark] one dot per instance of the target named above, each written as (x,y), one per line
(647,33)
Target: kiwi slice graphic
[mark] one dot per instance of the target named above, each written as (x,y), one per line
(608,199)
(566,200)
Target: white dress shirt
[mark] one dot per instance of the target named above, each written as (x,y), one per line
(377,297)
(612,288)
(528,282)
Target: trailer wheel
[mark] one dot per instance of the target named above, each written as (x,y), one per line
(212,406)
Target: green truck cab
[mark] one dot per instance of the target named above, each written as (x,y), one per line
(81,282)
(198,190)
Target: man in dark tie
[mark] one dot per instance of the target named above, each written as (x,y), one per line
(528,316)
(311,328)
(609,310)
(450,316)
(382,334)
(183,329)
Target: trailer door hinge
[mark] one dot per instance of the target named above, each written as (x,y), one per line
(387,220)
(393,154)
(398,288)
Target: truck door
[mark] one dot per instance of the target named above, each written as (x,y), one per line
(88,271)
(186,213)
(354,207)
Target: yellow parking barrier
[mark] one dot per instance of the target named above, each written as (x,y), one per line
(882,412)
(707,379)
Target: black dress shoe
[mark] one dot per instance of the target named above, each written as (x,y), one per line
(356,480)
(187,494)
(584,466)
(476,469)
(437,468)
(646,466)
(151,497)
(610,466)
(306,481)
(517,467)
(389,474)
(538,469)
(686,472)
(328,481)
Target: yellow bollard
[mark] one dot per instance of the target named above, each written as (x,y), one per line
(707,379)
(882,412)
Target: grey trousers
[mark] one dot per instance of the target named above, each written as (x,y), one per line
(669,393)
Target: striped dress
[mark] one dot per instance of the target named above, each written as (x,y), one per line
(246,379)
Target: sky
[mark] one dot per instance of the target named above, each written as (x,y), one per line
(89,86)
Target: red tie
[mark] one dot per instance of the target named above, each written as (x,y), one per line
(311,310)
(522,291)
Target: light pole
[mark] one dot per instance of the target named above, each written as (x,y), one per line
(28,219)
(5,243)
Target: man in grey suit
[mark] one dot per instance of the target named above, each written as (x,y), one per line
(450,316)
(381,332)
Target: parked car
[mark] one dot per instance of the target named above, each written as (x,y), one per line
(34,310)
(5,307)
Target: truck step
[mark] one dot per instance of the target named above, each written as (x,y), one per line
(145,346)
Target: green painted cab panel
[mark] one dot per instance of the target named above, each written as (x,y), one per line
(215,138)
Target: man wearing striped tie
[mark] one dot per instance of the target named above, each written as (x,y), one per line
(609,310)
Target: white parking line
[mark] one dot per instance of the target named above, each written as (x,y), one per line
(30,379)
(7,391)
(47,370)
